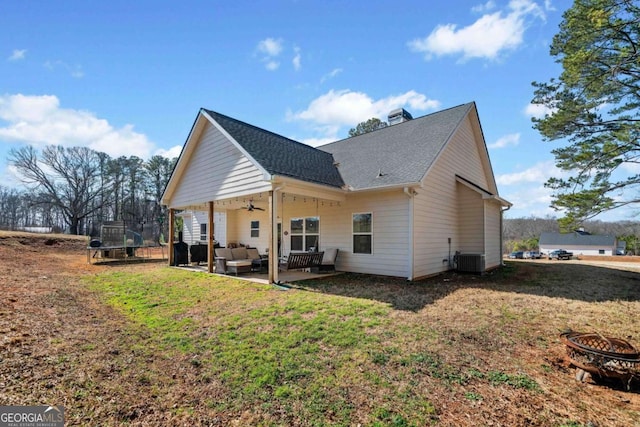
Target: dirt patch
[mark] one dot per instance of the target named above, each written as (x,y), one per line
(60,345)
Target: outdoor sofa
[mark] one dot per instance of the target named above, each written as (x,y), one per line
(235,260)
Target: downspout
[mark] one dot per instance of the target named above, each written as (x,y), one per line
(410,193)
(502,211)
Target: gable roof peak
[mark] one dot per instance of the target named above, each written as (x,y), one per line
(215,115)
(403,152)
(279,155)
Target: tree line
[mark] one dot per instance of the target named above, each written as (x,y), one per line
(77,189)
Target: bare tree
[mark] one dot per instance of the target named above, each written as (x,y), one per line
(65,178)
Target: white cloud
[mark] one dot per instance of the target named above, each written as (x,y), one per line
(74,70)
(270,47)
(526,190)
(533,201)
(538,111)
(297,64)
(18,54)
(490,5)
(331,112)
(331,74)
(487,37)
(170,153)
(346,107)
(272,65)
(317,142)
(40,121)
(539,173)
(510,140)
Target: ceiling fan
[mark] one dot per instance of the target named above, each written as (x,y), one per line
(250,207)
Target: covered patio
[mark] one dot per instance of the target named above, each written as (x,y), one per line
(273,222)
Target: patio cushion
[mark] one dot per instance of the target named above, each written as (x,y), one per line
(239,253)
(252,253)
(224,253)
(329,257)
(239,263)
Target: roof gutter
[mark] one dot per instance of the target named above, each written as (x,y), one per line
(402,186)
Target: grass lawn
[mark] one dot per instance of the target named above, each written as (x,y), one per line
(145,344)
(358,349)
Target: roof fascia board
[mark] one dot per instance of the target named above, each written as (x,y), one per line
(473,186)
(265,173)
(485,194)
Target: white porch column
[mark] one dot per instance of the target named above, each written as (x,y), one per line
(210,239)
(273,236)
(172,219)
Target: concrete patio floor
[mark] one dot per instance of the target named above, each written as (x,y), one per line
(283,276)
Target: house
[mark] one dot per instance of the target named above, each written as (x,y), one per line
(580,243)
(400,201)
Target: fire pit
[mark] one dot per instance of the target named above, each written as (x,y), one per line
(602,357)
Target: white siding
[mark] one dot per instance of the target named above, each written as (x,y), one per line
(463,155)
(187,227)
(445,209)
(471,220)
(216,169)
(390,230)
(239,228)
(192,221)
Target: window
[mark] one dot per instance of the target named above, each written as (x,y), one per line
(255,228)
(601,251)
(203,232)
(305,233)
(362,233)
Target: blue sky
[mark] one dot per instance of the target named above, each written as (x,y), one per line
(128,77)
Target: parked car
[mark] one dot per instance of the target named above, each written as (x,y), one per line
(516,255)
(532,255)
(560,254)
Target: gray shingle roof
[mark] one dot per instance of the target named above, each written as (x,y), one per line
(280,155)
(576,239)
(397,154)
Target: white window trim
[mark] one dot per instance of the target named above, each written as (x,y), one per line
(353,233)
(304,233)
(251,229)
(203,237)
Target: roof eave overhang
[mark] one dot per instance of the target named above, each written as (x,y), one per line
(291,185)
(503,202)
(486,195)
